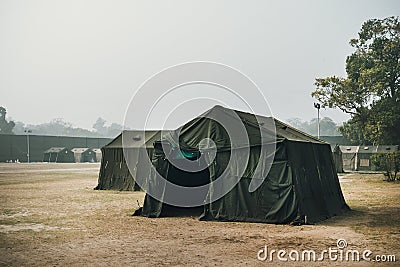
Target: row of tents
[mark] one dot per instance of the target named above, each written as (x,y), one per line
(302,183)
(358,158)
(65,155)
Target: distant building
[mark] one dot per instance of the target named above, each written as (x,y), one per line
(13,147)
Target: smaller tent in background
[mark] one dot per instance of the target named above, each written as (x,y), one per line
(363,159)
(358,158)
(114,173)
(337,159)
(58,154)
(84,154)
(349,155)
(98,153)
(364,162)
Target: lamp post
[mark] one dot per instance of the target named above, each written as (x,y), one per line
(317,106)
(27,131)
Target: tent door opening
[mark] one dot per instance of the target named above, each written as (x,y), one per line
(187,179)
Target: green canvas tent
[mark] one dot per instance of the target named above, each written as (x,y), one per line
(84,154)
(349,156)
(114,173)
(358,158)
(97,152)
(58,154)
(337,159)
(302,182)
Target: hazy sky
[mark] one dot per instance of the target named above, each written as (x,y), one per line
(79,60)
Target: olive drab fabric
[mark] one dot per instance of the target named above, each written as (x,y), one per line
(114,172)
(337,158)
(302,181)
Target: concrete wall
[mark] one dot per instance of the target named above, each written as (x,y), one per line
(14,147)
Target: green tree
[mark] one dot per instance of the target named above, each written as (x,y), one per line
(370,92)
(6,127)
(388,162)
(100,126)
(103,130)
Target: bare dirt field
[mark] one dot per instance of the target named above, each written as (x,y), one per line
(50,215)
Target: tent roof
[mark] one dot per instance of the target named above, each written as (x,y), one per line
(282,129)
(377,149)
(137,137)
(349,149)
(250,121)
(80,149)
(369,149)
(202,127)
(55,150)
(387,148)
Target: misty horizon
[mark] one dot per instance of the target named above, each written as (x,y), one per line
(80,61)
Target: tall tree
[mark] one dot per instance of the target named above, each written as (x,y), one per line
(370,92)
(100,126)
(327,126)
(6,127)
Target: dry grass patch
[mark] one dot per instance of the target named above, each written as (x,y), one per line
(50,215)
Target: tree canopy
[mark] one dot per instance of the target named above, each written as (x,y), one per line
(370,92)
(60,127)
(327,126)
(6,127)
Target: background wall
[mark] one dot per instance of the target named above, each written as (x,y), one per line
(14,147)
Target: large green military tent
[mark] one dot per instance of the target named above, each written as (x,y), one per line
(301,184)
(114,173)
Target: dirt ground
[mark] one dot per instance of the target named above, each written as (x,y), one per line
(50,215)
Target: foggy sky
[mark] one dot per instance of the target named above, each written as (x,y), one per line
(79,60)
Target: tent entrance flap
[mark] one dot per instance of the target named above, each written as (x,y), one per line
(186,179)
